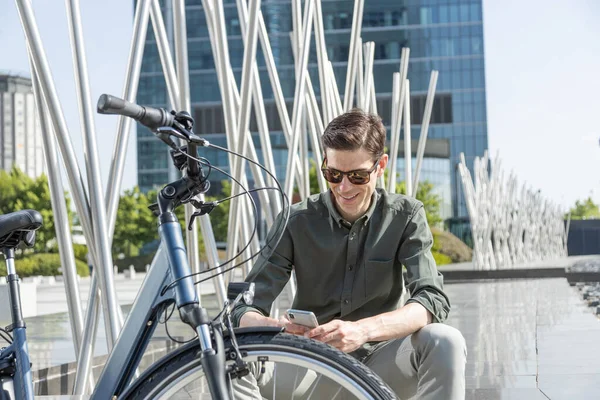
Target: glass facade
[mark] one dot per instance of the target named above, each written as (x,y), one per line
(446,35)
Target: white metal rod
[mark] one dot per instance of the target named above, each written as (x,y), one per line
(238,166)
(369,59)
(168,68)
(360,75)
(265,144)
(259,181)
(61,219)
(132,77)
(304,158)
(276,85)
(373,103)
(425,126)
(216,21)
(97,201)
(164,52)
(407,143)
(299,102)
(60,129)
(257,174)
(397,118)
(315,131)
(357,17)
(335,94)
(394,133)
(183,78)
(261,118)
(296,35)
(86,353)
(299,23)
(322,60)
(140,24)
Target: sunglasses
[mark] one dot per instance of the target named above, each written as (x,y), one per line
(356,177)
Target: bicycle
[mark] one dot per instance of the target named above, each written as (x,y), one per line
(219,354)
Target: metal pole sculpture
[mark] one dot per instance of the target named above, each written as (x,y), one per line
(97,209)
(510,226)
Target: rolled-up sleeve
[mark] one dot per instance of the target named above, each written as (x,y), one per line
(423,281)
(270,273)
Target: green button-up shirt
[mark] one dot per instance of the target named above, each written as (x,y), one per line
(351,271)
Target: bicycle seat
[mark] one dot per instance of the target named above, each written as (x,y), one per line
(16,225)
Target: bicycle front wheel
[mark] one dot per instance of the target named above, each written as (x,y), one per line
(299,367)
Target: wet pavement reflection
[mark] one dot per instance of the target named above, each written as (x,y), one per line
(526,339)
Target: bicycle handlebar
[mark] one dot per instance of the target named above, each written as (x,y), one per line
(150,117)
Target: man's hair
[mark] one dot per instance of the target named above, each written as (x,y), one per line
(355,130)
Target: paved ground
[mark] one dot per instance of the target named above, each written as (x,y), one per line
(526,339)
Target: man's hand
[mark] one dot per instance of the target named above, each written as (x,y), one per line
(255,319)
(346,336)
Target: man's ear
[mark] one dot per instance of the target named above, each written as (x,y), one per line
(382,164)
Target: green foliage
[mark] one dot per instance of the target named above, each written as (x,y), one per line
(80,251)
(447,245)
(219,217)
(441,259)
(431,201)
(139,262)
(136,225)
(19,191)
(585,209)
(314,183)
(47,264)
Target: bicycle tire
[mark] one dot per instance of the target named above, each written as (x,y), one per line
(179,364)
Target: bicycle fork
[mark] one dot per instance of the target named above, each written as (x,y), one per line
(14,360)
(211,357)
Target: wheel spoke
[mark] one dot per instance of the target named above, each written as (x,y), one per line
(315,384)
(281,364)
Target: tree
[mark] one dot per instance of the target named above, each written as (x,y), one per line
(136,224)
(219,217)
(431,201)
(19,191)
(585,209)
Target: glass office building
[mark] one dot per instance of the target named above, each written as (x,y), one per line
(446,35)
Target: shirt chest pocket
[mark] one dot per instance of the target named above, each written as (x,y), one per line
(379,278)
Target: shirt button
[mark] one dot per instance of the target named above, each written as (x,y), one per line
(350,267)
(346,301)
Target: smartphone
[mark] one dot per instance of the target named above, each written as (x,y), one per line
(301,317)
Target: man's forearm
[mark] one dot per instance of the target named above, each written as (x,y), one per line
(253,318)
(395,324)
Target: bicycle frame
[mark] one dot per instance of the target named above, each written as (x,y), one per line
(22,379)
(170,263)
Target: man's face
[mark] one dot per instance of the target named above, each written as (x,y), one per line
(352,200)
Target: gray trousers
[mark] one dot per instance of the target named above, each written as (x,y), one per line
(427,365)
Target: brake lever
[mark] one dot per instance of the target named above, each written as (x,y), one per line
(165,132)
(203,208)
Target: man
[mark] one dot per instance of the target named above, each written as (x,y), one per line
(347,247)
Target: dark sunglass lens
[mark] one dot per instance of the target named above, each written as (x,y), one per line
(331,176)
(359,178)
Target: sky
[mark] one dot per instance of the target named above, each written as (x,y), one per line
(542,62)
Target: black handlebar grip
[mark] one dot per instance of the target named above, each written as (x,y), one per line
(150,117)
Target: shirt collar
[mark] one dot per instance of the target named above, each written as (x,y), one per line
(327,198)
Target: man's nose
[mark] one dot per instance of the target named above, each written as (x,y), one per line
(345,184)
